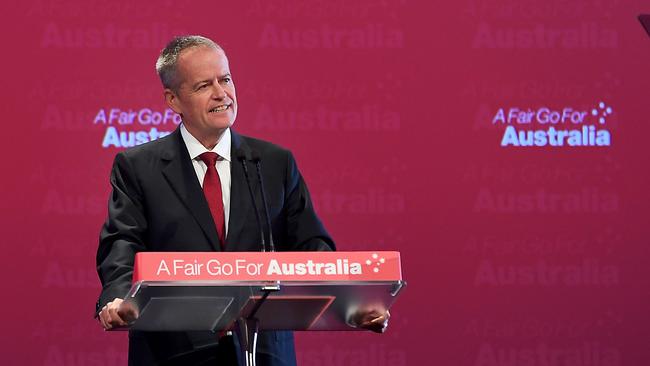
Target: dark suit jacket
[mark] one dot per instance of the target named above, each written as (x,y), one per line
(157,204)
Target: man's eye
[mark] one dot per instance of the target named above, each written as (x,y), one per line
(227,80)
(201,87)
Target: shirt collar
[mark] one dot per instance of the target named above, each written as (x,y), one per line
(195,148)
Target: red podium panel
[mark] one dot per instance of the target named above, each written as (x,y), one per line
(267,266)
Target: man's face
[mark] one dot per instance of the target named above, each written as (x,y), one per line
(205,96)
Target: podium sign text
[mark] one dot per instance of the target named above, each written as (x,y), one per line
(267,266)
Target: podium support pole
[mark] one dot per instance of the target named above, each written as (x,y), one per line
(247,328)
(246,331)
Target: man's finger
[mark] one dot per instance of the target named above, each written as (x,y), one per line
(378,319)
(106,319)
(114,319)
(109,319)
(377,325)
(101,319)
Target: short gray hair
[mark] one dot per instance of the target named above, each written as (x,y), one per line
(166,63)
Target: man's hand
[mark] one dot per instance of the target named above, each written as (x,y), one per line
(373,320)
(114,314)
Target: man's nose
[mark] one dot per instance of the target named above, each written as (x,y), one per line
(218,91)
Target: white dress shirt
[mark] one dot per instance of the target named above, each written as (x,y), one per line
(195,148)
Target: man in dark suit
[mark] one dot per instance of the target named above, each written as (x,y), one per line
(188,192)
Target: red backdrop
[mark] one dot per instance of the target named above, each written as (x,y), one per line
(514,255)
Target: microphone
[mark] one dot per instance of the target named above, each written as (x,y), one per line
(243,157)
(258,163)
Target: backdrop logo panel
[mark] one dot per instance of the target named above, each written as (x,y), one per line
(589,272)
(106,36)
(586,35)
(131,127)
(585,353)
(556,127)
(325,36)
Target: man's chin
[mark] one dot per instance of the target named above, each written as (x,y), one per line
(222,123)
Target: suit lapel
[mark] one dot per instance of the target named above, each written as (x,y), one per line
(180,174)
(240,200)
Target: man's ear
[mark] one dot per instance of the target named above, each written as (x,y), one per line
(172,100)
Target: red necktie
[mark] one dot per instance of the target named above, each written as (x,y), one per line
(212,191)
